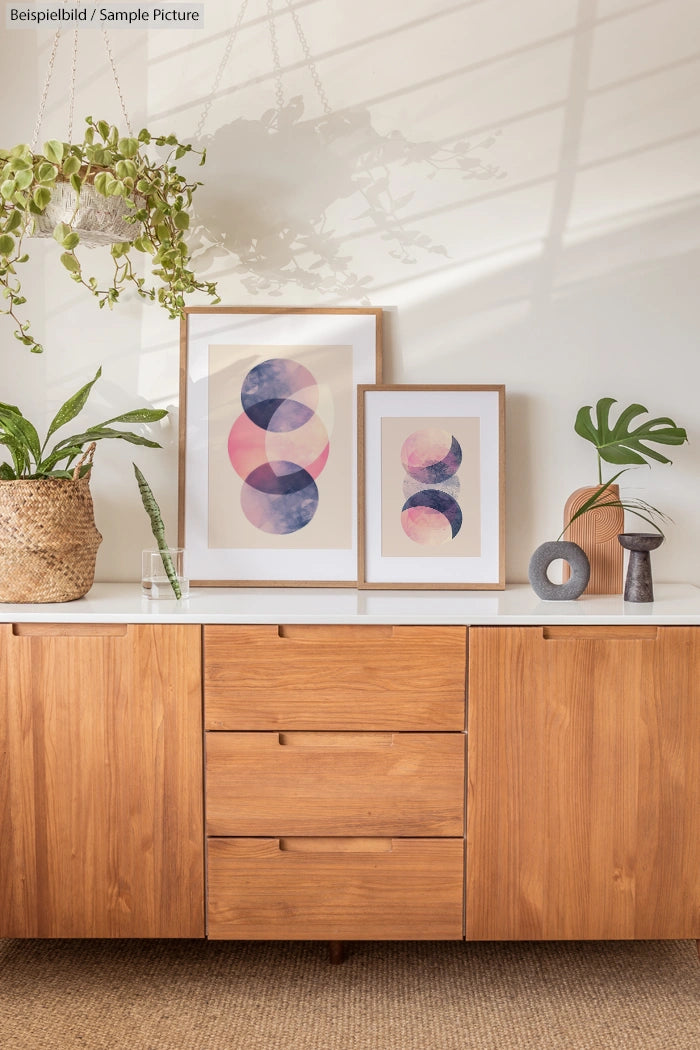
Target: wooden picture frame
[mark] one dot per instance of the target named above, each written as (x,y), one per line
(431,487)
(268,442)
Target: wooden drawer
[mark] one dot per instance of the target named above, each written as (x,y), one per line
(308,783)
(335,889)
(334,677)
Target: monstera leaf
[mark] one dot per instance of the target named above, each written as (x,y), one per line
(617,443)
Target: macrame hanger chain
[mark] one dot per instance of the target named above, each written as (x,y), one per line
(220,71)
(310,64)
(306,51)
(74,68)
(45,92)
(71,99)
(277,65)
(108,49)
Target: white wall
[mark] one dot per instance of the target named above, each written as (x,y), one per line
(561,260)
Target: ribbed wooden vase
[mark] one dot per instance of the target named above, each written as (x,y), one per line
(48,540)
(596,533)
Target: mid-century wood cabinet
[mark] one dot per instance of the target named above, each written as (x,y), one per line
(584,783)
(100,781)
(334,781)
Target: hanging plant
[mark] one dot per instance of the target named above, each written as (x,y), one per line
(106,190)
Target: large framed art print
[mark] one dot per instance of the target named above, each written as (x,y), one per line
(431,489)
(268,442)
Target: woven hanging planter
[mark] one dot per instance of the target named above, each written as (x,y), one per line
(97,219)
(48,539)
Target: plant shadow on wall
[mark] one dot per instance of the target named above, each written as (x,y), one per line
(272,207)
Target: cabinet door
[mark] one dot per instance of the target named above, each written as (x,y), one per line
(583,783)
(100,782)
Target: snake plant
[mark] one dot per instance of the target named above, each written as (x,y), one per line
(158,529)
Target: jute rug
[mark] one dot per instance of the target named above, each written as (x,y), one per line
(189,995)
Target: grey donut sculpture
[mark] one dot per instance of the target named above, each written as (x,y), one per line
(578,563)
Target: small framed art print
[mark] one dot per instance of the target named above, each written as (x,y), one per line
(431,486)
(268,442)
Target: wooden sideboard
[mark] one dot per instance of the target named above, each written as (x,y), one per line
(511,776)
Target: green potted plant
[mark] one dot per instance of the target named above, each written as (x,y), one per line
(48,538)
(110,190)
(594,516)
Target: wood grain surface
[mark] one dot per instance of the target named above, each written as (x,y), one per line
(335,889)
(101,824)
(583,783)
(312,783)
(334,677)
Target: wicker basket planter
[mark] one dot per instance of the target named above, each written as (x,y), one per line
(97,219)
(48,539)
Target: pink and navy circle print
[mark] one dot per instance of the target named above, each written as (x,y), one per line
(279,446)
(431,514)
(431,455)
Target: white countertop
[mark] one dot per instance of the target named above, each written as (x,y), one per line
(675,603)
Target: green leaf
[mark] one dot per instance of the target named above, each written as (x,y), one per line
(70,408)
(14,221)
(98,433)
(126,169)
(53,151)
(7,189)
(61,231)
(138,415)
(158,529)
(181,220)
(47,172)
(70,262)
(7,473)
(620,445)
(56,456)
(24,179)
(128,147)
(71,165)
(101,182)
(103,128)
(602,497)
(42,197)
(76,183)
(7,244)
(71,241)
(21,432)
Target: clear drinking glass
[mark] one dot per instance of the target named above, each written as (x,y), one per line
(154,579)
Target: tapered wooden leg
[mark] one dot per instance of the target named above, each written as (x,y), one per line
(697,945)
(336,952)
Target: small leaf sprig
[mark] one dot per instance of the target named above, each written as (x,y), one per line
(158,528)
(618,444)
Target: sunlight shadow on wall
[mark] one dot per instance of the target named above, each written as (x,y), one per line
(271,211)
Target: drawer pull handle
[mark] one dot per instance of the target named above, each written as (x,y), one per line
(335,845)
(69,630)
(601,634)
(327,740)
(321,632)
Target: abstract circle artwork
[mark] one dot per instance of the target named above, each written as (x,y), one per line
(278,446)
(431,513)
